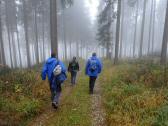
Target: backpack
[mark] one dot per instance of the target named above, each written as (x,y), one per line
(59,76)
(57,70)
(73,66)
(93,65)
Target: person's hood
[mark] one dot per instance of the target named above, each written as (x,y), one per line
(73,61)
(51,60)
(94,57)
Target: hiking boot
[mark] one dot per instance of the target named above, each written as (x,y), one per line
(55,105)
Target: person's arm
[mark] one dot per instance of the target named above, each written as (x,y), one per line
(44,72)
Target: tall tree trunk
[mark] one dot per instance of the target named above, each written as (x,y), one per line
(64,33)
(14,49)
(125,50)
(25,18)
(1,43)
(153,31)
(165,39)
(43,27)
(13,29)
(8,32)
(53,26)
(81,43)
(108,55)
(135,32)
(70,49)
(150,28)
(18,42)
(142,30)
(36,34)
(77,49)
(17,33)
(117,32)
(122,28)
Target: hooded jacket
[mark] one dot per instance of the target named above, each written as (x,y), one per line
(49,67)
(88,66)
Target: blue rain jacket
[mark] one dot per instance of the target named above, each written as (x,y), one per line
(48,70)
(88,66)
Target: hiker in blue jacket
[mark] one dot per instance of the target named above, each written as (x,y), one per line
(93,69)
(56,72)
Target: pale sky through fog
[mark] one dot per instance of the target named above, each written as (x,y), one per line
(92,6)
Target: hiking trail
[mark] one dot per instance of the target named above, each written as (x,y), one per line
(41,120)
(98,113)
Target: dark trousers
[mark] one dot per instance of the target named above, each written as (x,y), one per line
(55,92)
(73,77)
(92,81)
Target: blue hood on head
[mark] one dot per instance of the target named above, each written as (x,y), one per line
(51,60)
(94,57)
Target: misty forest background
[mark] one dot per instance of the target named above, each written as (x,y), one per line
(28,28)
(131,38)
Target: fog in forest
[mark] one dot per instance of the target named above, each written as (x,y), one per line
(114,29)
(83,62)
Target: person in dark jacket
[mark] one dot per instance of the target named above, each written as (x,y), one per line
(93,69)
(73,68)
(55,76)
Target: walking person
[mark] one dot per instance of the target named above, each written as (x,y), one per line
(73,68)
(93,69)
(56,72)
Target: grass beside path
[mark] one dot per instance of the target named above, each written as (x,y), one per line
(135,94)
(76,108)
(25,99)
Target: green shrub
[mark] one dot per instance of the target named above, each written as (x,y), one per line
(131,89)
(29,107)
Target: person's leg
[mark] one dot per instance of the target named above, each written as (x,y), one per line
(53,95)
(71,77)
(94,80)
(58,92)
(92,84)
(57,97)
(74,77)
(52,91)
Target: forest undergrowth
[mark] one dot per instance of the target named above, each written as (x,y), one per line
(23,96)
(135,94)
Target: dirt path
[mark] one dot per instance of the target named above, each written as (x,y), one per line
(49,113)
(98,113)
